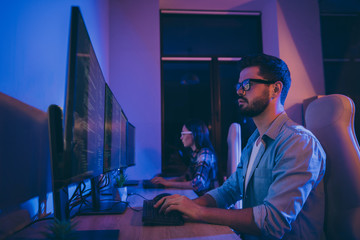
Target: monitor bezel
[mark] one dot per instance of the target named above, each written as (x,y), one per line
(128,162)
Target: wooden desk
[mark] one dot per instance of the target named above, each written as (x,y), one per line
(129,224)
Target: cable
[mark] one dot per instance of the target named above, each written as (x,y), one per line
(31,223)
(136,194)
(131,194)
(136,210)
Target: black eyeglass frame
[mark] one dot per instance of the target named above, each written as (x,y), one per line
(245,85)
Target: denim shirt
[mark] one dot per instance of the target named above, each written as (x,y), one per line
(285,189)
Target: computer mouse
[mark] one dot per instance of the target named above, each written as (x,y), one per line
(161,195)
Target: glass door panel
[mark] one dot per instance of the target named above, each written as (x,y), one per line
(186,95)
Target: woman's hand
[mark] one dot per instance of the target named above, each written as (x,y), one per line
(160,180)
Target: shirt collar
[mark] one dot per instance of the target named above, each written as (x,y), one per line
(194,153)
(275,127)
(273,131)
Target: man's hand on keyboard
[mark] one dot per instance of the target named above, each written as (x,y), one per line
(189,208)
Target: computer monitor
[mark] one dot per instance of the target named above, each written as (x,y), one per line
(83,149)
(123,125)
(84,104)
(112,135)
(130,145)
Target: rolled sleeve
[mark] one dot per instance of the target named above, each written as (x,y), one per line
(270,222)
(229,192)
(204,172)
(201,179)
(298,170)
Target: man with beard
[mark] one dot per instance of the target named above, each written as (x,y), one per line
(279,177)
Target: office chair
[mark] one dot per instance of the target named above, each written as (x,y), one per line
(234,148)
(24,163)
(234,153)
(331,119)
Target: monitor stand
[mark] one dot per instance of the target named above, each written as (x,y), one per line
(106,206)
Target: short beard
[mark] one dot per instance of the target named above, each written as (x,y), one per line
(257,106)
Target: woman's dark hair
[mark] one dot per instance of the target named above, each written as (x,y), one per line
(200,133)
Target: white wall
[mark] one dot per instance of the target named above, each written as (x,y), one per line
(135,77)
(300,47)
(34,46)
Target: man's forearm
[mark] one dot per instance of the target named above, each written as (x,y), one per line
(206,201)
(241,220)
(204,209)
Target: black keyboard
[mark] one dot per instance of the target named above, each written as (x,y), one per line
(152,216)
(148,184)
(131,183)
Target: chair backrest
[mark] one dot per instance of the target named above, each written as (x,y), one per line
(234,148)
(331,119)
(24,152)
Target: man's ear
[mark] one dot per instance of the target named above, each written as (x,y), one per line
(277,88)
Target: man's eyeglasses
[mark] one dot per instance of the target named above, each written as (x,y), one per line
(245,85)
(184,133)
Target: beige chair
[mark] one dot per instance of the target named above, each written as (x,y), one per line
(234,152)
(331,119)
(234,148)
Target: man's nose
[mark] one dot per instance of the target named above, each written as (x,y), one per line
(240,92)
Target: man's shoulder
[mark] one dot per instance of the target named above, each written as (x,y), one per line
(294,138)
(291,127)
(284,127)
(294,131)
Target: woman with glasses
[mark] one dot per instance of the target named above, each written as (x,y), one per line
(201,175)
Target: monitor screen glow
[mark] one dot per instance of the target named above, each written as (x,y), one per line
(112,132)
(84,106)
(123,123)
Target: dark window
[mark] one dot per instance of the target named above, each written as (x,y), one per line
(196,84)
(340,35)
(195,35)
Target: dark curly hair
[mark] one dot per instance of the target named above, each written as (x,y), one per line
(200,133)
(271,68)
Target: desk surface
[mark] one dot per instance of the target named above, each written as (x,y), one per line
(129,224)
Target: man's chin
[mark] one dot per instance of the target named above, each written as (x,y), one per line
(247,113)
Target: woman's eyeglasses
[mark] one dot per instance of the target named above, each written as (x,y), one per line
(186,132)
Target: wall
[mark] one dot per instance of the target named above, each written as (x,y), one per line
(300,46)
(34,45)
(135,77)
